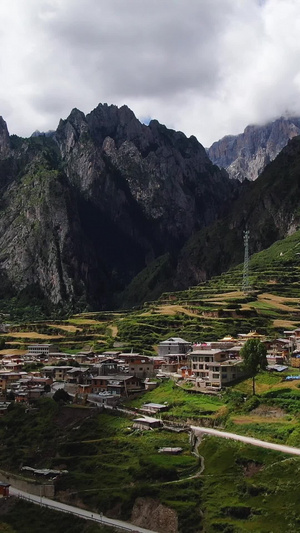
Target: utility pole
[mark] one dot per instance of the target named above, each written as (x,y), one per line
(246,285)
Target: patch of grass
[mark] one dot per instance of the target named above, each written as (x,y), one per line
(248,489)
(182,404)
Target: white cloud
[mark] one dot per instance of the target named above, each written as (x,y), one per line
(206,68)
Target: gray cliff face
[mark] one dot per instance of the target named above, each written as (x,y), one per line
(4,139)
(115,159)
(267,207)
(83,210)
(246,155)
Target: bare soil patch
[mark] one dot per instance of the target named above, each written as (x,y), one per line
(269,411)
(114,330)
(252,468)
(150,513)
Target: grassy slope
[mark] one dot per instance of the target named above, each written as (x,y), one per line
(181,403)
(204,312)
(249,489)
(109,464)
(241,489)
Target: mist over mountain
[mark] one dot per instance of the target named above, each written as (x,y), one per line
(246,155)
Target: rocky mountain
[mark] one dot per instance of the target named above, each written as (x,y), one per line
(269,208)
(246,155)
(85,209)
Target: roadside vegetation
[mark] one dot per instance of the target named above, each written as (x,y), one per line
(18,516)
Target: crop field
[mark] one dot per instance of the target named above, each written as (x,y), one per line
(286,324)
(173,310)
(84,321)
(32,335)
(12,351)
(209,311)
(65,327)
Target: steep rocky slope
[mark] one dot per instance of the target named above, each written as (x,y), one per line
(86,208)
(246,155)
(269,208)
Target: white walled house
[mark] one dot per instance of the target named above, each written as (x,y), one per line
(213,368)
(174,346)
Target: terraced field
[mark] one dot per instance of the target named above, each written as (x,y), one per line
(209,311)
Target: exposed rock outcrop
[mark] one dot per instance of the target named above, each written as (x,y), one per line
(269,208)
(246,155)
(83,210)
(151,514)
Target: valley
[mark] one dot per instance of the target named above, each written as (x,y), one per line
(112,466)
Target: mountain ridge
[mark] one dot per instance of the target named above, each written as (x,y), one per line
(245,156)
(86,208)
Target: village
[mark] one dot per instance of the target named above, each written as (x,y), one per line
(108,378)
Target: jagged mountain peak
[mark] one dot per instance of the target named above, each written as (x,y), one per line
(83,212)
(4,138)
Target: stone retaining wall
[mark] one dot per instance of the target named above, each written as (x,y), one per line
(38,489)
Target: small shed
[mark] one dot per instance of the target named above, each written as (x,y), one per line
(146,422)
(4,490)
(171,451)
(154,407)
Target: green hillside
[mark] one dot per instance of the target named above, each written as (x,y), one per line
(208,311)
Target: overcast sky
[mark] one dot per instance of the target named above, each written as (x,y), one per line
(205,67)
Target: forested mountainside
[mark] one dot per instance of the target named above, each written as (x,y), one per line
(269,208)
(85,209)
(246,155)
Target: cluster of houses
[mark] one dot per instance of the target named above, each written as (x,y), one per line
(107,377)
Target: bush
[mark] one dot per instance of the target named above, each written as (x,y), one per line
(251,403)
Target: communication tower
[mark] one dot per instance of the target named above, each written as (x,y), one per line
(246,284)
